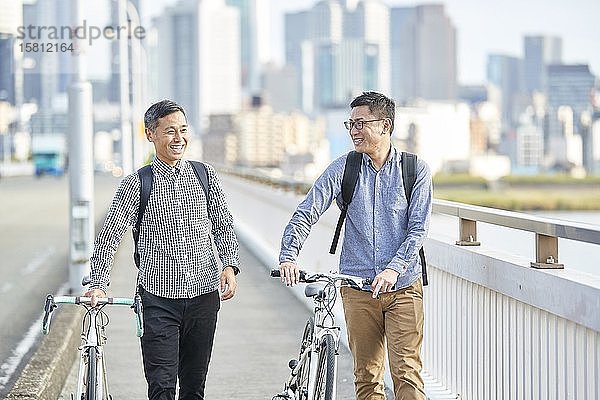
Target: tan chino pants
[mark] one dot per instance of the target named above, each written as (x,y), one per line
(395,318)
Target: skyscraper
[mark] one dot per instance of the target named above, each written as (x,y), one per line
(114,83)
(251,24)
(7,67)
(570,86)
(539,52)
(11,82)
(296,33)
(338,49)
(370,22)
(423,46)
(195,66)
(505,73)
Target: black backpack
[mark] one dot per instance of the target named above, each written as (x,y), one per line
(145,174)
(351,171)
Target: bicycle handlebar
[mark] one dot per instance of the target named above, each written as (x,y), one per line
(52,301)
(311,277)
(125,301)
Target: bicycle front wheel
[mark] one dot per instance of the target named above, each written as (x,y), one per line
(325,377)
(304,358)
(91,381)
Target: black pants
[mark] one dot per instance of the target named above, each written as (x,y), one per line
(177,342)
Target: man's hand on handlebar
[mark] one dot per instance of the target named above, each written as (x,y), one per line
(290,273)
(95,294)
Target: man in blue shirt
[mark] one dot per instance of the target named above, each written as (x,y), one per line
(381,241)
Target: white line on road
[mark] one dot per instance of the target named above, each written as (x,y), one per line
(8,368)
(11,364)
(38,261)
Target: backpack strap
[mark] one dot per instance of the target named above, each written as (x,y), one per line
(409,176)
(202,175)
(351,170)
(145,175)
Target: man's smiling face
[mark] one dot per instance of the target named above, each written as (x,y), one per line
(374,136)
(170,138)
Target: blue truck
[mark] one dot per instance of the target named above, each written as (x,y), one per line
(49,154)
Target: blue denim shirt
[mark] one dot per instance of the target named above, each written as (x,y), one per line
(380,232)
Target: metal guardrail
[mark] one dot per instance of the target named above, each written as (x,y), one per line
(547,230)
(552,227)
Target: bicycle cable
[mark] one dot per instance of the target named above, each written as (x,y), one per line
(330,294)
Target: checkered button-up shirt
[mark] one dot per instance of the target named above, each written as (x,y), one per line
(175,246)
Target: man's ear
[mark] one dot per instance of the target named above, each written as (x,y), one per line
(148,134)
(387,126)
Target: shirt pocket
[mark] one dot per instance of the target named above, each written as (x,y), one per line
(159,232)
(395,200)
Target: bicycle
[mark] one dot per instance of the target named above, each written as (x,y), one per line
(313,374)
(92,382)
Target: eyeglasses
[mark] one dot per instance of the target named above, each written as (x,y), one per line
(358,124)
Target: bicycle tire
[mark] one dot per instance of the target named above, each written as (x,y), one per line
(90,388)
(325,378)
(304,371)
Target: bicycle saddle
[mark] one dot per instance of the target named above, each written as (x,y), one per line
(314,289)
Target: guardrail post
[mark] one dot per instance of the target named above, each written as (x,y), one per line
(546,252)
(467,231)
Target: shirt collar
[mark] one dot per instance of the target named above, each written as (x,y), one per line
(163,168)
(391,157)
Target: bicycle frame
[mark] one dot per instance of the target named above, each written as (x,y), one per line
(320,342)
(92,382)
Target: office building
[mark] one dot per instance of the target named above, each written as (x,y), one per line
(254,25)
(423,53)
(338,49)
(570,86)
(280,89)
(257,137)
(539,52)
(370,22)
(114,81)
(7,67)
(438,132)
(530,147)
(505,72)
(195,66)
(11,79)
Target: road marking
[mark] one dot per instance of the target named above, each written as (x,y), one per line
(10,365)
(38,261)
(8,368)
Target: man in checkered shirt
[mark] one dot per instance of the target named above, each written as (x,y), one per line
(179,279)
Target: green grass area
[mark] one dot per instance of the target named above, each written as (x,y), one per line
(522,199)
(520,193)
(556,179)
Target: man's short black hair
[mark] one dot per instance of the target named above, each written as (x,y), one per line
(159,110)
(379,104)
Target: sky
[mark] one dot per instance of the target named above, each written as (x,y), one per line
(483,27)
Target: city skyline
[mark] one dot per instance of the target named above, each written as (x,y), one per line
(512,20)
